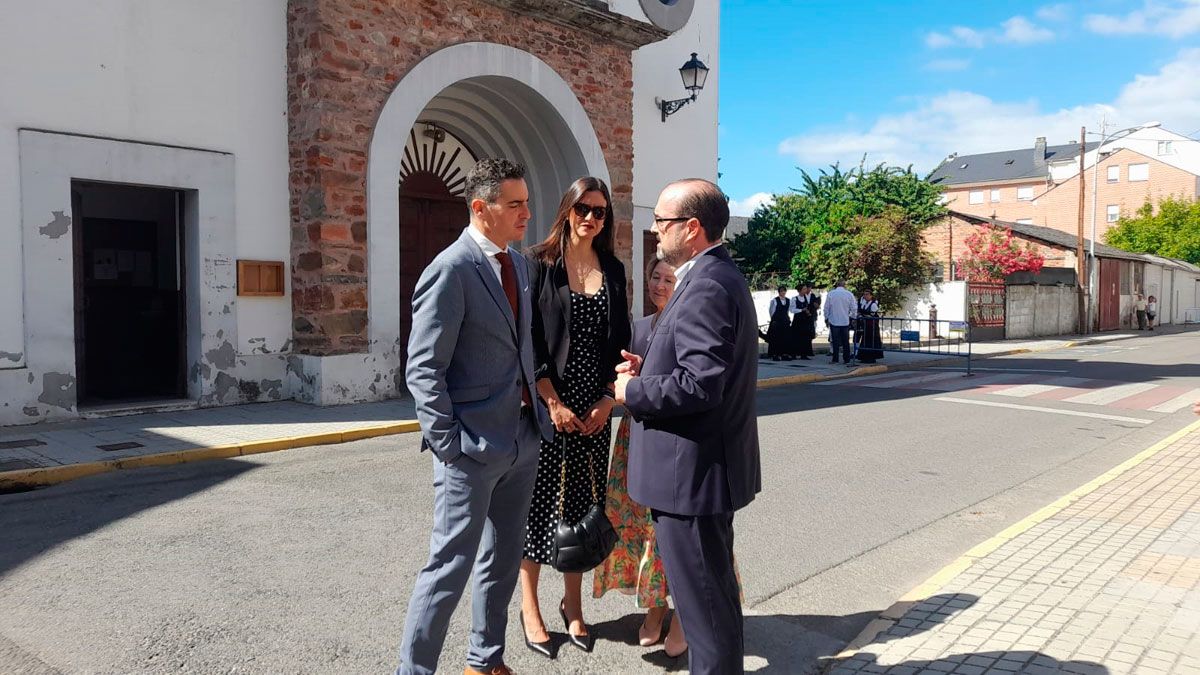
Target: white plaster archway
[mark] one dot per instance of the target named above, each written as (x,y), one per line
(436,73)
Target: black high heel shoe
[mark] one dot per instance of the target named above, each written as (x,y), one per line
(584,642)
(543,648)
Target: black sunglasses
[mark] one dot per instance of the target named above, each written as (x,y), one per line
(598,212)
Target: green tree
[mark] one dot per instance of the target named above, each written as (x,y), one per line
(1172,232)
(863,226)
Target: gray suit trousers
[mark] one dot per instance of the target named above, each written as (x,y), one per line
(479,513)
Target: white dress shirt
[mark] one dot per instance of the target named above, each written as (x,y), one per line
(840,306)
(490,249)
(685,267)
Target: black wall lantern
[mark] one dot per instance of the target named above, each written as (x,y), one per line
(694,73)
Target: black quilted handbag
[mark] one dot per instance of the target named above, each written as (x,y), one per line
(581,546)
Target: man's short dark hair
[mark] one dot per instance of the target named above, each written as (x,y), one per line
(705,202)
(484,179)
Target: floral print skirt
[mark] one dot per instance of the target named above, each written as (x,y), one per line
(634,566)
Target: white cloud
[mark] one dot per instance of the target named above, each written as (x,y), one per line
(966,122)
(1173,18)
(1020,30)
(948,65)
(746,207)
(1057,12)
(1016,30)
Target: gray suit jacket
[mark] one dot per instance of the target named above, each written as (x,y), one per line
(468,357)
(693,449)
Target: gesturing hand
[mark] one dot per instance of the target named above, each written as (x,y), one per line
(597,417)
(632,365)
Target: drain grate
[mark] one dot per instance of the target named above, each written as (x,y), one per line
(113,447)
(20,443)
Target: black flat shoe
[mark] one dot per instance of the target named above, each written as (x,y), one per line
(543,648)
(584,642)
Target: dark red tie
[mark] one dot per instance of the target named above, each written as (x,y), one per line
(508,278)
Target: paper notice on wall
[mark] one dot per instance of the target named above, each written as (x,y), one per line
(104,264)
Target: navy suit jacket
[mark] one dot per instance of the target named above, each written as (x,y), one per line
(694,444)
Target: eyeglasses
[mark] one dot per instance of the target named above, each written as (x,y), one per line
(660,221)
(661,225)
(598,212)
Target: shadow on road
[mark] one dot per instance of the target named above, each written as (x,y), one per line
(36,522)
(793,644)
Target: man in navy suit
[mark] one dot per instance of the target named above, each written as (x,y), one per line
(693,454)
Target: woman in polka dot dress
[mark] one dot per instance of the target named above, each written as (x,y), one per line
(580,326)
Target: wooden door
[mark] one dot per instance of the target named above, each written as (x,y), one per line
(1109,294)
(431,218)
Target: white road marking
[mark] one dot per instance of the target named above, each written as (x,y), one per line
(1023,390)
(1034,408)
(1110,394)
(1178,403)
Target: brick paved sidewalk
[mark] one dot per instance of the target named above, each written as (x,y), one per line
(1108,584)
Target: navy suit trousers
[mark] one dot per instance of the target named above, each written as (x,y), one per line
(697,555)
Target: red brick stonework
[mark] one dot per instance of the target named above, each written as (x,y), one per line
(345,57)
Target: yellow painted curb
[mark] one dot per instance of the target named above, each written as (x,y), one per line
(783,380)
(943,576)
(52,475)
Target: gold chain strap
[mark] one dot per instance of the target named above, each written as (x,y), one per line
(562,479)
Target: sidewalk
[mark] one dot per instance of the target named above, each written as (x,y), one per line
(1105,580)
(44,454)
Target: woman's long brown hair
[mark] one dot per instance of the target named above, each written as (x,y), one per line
(553,247)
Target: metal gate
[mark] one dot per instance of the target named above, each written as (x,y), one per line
(985,310)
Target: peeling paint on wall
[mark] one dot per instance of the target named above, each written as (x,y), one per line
(30,411)
(200,371)
(58,390)
(272,388)
(57,227)
(31,378)
(250,390)
(14,357)
(222,358)
(225,388)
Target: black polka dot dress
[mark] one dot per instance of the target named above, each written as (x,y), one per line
(582,385)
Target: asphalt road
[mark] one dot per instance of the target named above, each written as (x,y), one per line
(302,561)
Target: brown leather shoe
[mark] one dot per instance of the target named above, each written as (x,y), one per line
(496,670)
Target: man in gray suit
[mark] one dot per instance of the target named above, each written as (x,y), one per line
(470,372)
(693,447)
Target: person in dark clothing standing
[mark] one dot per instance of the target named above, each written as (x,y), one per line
(779,331)
(804,321)
(868,337)
(580,326)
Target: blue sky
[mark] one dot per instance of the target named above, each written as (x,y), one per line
(807,83)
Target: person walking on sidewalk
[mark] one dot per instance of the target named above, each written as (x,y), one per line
(1151,312)
(471,332)
(804,321)
(840,308)
(1140,308)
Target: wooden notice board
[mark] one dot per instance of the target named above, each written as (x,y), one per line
(259,278)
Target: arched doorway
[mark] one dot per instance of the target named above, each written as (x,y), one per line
(432,208)
(497,101)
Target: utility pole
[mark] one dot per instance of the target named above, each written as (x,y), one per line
(1079,260)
